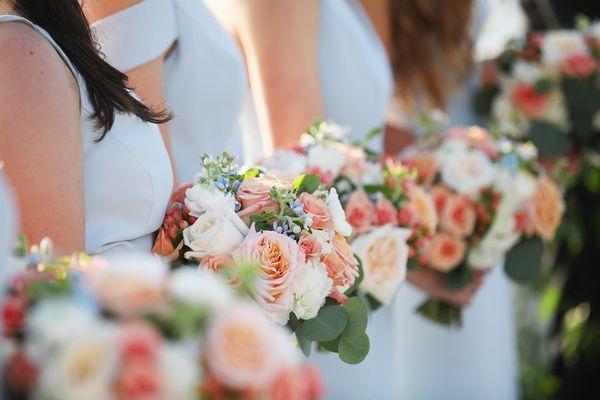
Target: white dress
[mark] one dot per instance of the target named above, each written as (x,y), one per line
(356,84)
(204,76)
(474,362)
(7,227)
(127,176)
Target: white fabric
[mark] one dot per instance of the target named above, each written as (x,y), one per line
(7,227)
(204,77)
(127,176)
(357,84)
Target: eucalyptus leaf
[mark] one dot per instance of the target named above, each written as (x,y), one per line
(523,261)
(353,349)
(358,316)
(459,278)
(550,140)
(327,325)
(304,343)
(331,346)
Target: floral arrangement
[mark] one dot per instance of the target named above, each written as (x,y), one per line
(391,215)
(492,202)
(128,328)
(293,229)
(546,89)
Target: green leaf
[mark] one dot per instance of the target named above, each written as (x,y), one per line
(327,325)
(303,342)
(482,100)
(373,134)
(306,183)
(413,264)
(583,99)
(549,139)
(252,173)
(358,316)
(523,261)
(374,304)
(440,312)
(331,346)
(354,348)
(459,278)
(543,85)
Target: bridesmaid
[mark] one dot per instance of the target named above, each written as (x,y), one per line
(307,60)
(175,52)
(458,361)
(88,166)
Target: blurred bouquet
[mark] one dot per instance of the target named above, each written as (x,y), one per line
(546,89)
(128,328)
(492,202)
(390,214)
(293,229)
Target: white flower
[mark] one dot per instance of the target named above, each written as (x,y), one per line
(310,289)
(212,234)
(373,174)
(286,164)
(467,171)
(337,213)
(557,46)
(326,158)
(180,369)
(527,151)
(527,72)
(200,199)
(199,289)
(510,121)
(384,254)
(82,369)
(324,239)
(54,323)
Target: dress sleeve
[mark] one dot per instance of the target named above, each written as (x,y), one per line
(138,34)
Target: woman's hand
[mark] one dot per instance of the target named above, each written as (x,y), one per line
(432,282)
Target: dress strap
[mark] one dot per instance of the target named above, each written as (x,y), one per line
(138,34)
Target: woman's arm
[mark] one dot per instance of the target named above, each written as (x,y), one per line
(40,138)
(146,80)
(279,41)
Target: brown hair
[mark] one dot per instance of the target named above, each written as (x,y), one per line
(431,48)
(107,87)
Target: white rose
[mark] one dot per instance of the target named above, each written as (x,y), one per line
(82,369)
(337,213)
(179,366)
(557,46)
(286,164)
(373,174)
(212,234)
(527,72)
(468,171)
(510,121)
(199,289)
(556,111)
(310,289)
(200,199)
(384,254)
(326,158)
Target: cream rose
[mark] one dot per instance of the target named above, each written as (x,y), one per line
(211,234)
(560,45)
(327,158)
(467,171)
(286,164)
(384,254)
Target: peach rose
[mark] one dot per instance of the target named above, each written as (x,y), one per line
(356,163)
(254,196)
(439,195)
(548,208)
(310,245)
(424,207)
(318,210)
(298,383)
(407,215)
(244,350)
(139,342)
(425,164)
(360,212)
(529,101)
(579,65)
(445,252)
(342,267)
(477,137)
(458,216)
(385,212)
(139,381)
(327,177)
(279,259)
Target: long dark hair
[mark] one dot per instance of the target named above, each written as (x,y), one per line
(107,87)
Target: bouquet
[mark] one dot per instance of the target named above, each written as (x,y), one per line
(390,214)
(492,202)
(294,231)
(546,89)
(128,328)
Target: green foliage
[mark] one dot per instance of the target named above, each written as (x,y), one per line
(306,183)
(441,312)
(327,325)
(252,173)
(483,99)
(523,261)
(583,99)
(459,278)
(354,349)
(549,139)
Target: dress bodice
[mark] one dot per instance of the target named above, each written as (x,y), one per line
(127,175)
(204,75)
(355,73)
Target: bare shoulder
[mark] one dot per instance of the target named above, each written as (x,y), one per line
(31,69)
(98,9)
